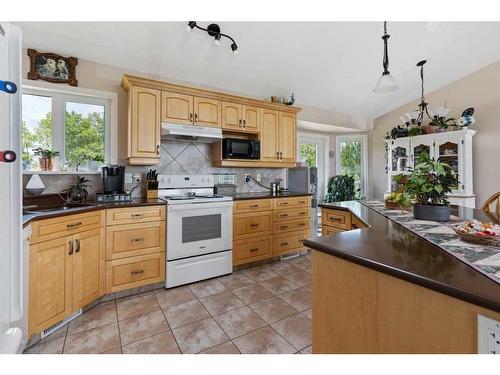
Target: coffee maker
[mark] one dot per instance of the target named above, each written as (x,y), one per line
(113,182)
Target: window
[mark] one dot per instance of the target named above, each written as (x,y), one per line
(309,154)
(75,126)
(351,161)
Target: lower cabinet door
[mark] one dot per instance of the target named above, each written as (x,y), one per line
(50,298)
(134,272)
(88,267)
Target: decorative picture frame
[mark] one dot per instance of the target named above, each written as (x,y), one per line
(52,67)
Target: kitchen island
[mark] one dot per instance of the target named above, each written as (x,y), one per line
(384,289)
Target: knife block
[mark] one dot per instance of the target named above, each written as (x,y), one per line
(150,193)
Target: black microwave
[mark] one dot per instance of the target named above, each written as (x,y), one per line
(234,148)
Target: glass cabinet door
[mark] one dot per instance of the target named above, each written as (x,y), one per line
(449,152)
(399,158)
(420,146)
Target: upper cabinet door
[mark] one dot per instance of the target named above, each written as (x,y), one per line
(269,135)
(176,108)
(207,112)
(420,145)
(50,266)
(88,267)
(231,116)
(251,118)
(287,137)
(145,124)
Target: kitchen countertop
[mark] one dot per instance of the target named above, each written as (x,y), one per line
(267,195)
(92,206)
(388,247)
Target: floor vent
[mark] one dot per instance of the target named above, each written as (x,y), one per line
(54,327)
(290,256)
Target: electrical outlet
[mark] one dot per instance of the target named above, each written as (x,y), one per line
(259,177)
(136,178)
(488,335)
(247,177)
(128,178)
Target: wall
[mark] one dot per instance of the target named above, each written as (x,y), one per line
(480,90)
(176,157)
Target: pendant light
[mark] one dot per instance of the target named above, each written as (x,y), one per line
(386,83)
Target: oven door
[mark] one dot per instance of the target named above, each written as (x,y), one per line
(199,228)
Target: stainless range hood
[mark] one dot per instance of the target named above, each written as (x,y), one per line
(190,133)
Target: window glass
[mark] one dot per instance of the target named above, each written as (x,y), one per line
(309,154)
(350,163)
(84,133)
(36,127)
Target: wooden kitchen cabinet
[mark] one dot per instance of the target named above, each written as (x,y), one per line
(144,126)
(177,108)
(287,137)
(50,283)
(88,267)
(252,249)
(269,136)
(251,225)
(336,221)
(65,274)
(240,117)
(207,112)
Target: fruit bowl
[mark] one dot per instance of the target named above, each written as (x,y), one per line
(477,232)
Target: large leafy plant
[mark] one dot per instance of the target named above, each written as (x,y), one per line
(430,181)
(340,188)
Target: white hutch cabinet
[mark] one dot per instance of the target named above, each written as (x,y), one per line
(453,148)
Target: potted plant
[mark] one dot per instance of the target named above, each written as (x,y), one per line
(340,188)
(399,198)
(428,184)
(77,192)
(46,158)
(94,161)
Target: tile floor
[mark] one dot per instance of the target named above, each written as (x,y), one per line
(266,309)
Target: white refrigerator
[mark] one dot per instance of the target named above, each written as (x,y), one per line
(13,262)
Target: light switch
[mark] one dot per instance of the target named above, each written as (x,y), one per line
(128,178)
(488,335)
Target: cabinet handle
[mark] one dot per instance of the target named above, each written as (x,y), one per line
(191,117)
(281,156)
(70,243)
(284,215)
(137,215)
(77,242)
(284,227)
(283,243)
(302,202)
(73,225)
(240,123)
(278,155)
(254,205)
(157,149)
(302,213)
(138,272)
(254,250)
(195,117)
(244,123)
(140,239)
(283,203)
(302,224)
(254,225)
(333,218)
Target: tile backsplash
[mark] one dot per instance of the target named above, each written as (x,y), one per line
(175,158)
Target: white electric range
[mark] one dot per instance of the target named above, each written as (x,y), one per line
(199,233)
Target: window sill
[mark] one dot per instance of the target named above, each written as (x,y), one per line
(62,172)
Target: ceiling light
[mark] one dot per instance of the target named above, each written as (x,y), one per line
(234,47)
(214,31)
(386,83)
(190,26)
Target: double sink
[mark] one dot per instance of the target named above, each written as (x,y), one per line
(50,209)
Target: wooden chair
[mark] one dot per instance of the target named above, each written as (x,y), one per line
(489,205)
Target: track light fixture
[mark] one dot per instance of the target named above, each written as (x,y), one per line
(214,31)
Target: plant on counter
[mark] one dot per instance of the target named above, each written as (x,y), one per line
(77,192)
(428,184)
(340,188)
(46,158)
(400,197)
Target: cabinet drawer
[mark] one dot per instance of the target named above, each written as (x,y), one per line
(134,239)
(48,229)
(337,218)
(293,241)
(293,214)
(327,230)
(252,249)
(253,205)
(285,203)
(357,223)
(291,225)
(133,272)
(251,225)
(135,215)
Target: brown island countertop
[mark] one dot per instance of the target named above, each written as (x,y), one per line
(387,247)
(32,214)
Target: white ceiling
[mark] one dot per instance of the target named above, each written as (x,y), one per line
(332,66)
